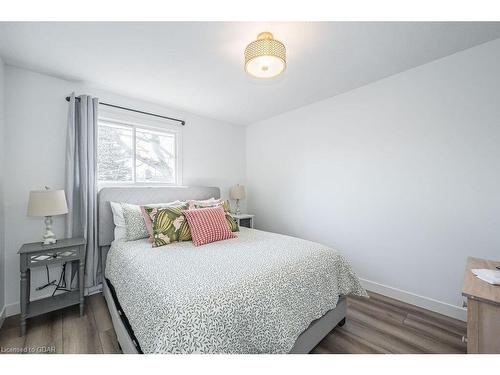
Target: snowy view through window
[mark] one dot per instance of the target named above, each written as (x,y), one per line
(133,154)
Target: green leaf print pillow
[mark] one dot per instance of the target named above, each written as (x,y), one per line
(169,225)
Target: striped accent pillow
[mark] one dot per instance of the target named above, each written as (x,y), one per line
(208,225)
(233,225)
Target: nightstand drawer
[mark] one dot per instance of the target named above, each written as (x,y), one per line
(247,222)
(244,220)
(52,256)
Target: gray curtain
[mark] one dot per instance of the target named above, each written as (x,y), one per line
(81,180)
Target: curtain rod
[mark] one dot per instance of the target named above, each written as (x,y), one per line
(137,111)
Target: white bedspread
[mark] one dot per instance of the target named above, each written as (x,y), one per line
(253,294)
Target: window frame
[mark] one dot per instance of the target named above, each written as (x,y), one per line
(139,121)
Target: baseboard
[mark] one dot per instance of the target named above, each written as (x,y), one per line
(2,316)
(440,307)
(12,309)
(15,308)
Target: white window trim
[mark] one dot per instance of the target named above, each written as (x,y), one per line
(137,120)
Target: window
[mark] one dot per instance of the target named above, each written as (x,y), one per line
(129,152)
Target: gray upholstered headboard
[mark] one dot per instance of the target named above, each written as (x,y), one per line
(143,195)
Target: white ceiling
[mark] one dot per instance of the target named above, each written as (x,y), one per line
(198,67)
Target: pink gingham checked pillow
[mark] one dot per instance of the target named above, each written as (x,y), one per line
(208,225)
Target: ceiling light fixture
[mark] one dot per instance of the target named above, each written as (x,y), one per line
(265,57)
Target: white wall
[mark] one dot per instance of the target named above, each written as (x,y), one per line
(213,154)
(401,175)
(2,181)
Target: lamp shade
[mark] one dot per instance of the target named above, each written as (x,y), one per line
(265,57)
(47,203)
(237,192)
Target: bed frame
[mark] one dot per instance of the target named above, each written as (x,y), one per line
(143,195)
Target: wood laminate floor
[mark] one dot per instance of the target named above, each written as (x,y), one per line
(384,325)
(375,325)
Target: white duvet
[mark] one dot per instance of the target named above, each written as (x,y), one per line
(253,294)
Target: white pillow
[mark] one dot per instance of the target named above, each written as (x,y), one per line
(119,218)
(206,201)
(160,205)
(203,203)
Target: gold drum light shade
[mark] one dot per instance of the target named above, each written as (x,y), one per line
(265,57)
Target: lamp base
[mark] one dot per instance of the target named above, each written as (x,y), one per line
(237,207)
(49,241)
(49,238)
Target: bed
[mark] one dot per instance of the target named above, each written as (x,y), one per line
(258,293)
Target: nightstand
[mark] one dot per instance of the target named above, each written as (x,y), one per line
(35,255)
(483,309)
(244,220)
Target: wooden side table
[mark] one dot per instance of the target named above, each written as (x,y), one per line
(35,255)
(244,220)
(483,309)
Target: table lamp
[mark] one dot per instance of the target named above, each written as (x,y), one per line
(237,192)
(47,203)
